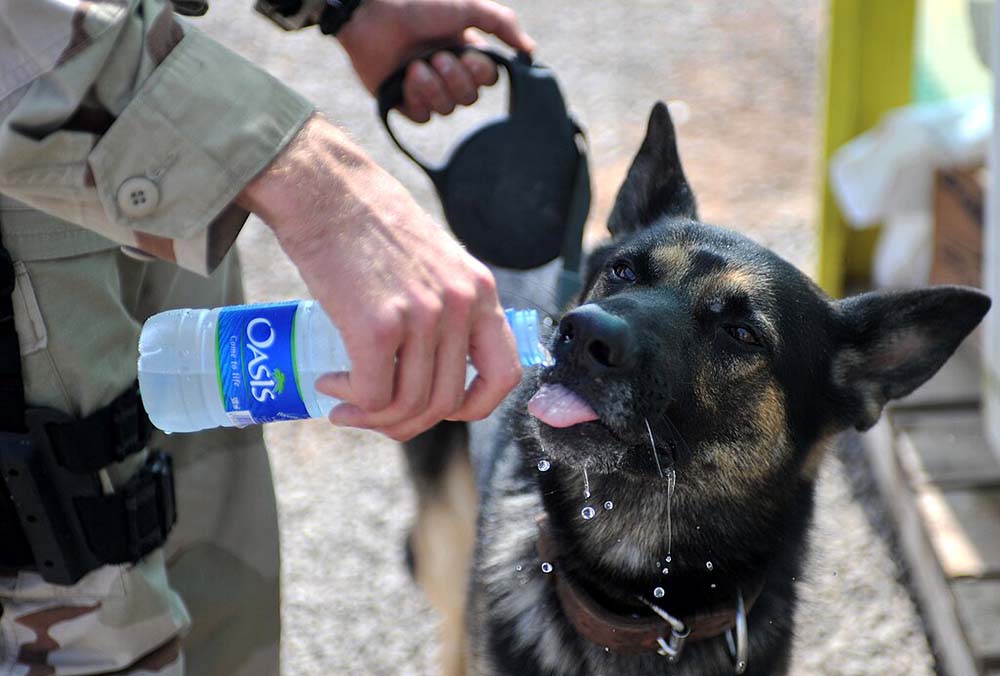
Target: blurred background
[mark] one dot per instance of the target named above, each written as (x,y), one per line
(748,83)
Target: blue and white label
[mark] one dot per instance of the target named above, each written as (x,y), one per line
(256,360)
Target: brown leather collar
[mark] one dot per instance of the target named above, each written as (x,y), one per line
(623,634)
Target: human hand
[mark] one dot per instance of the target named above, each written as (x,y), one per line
(409,302)
(383,34)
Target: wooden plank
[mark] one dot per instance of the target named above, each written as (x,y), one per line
(964,529)
(978,604)
(946,447)
(932,590)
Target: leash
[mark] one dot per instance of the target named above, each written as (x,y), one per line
(515,191)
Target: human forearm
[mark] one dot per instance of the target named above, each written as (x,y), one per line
(409,301)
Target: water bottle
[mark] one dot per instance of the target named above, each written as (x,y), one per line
(249,364)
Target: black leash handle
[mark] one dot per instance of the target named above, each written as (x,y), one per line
(390,93)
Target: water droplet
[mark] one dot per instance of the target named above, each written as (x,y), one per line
(186,353)
(544,465)
(610,505)
(666,571)
(546,567)
(587,512)
(669,558)
(658,592)
(518,567)
(741,665)
(708,564)
(586,484)
(607,649)
(712,585)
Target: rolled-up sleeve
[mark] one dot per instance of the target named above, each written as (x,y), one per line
(135,125)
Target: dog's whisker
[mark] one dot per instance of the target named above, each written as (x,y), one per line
(526,301)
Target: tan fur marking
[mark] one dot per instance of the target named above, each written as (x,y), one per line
(673,262)
(443,540)
(814,458)
(745,466)
(739,280)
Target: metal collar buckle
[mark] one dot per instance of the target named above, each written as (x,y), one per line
(670,648)
(737,638)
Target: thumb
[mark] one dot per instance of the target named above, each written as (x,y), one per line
(499,21)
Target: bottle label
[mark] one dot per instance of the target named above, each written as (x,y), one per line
(256,363)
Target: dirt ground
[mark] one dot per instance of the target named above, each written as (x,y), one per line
(746,75)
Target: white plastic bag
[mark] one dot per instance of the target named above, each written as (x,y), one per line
(887,173)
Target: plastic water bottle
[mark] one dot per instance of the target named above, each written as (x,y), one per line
(248,364)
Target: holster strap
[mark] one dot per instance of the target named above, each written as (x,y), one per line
(108,435)
(135,520)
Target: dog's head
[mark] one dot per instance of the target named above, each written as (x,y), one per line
(723,356)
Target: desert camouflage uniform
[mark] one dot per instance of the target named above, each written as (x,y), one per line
(118,117)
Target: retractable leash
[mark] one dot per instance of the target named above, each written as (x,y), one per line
(515,191)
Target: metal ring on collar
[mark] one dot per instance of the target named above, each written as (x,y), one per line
(739,647)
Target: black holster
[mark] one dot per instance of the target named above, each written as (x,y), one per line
(57,514)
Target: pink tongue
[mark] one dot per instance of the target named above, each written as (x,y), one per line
(557,406)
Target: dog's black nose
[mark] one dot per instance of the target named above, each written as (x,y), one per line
(595,339)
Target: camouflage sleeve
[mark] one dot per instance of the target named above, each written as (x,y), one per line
(119,117)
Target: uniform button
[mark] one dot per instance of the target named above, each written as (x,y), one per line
(138,197)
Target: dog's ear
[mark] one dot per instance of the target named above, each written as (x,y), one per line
(895,341)
(655,185)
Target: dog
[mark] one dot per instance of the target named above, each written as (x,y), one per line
(644,509)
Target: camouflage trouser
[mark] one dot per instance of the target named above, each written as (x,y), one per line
(209,600)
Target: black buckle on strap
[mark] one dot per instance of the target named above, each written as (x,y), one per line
(128,524)
(108,435)
(70,524)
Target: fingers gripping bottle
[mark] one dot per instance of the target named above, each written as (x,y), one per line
(249,364)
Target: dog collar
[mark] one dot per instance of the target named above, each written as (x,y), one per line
(662,633)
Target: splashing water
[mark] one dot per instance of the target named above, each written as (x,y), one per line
(546,567)
(544,465)
(666,571)
(652,443)
(586,484)
(587,513)
(671,483)
(669,558)
(659,592)
(708,564)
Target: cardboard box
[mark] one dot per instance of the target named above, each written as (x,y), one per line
(959,212)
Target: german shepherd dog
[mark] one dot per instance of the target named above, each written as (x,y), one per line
(645,508)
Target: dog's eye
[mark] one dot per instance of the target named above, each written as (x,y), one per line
(743,334)
(623,271)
